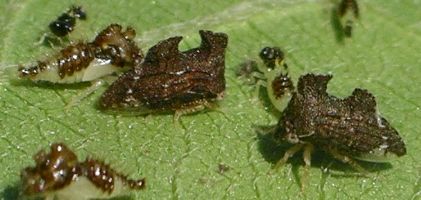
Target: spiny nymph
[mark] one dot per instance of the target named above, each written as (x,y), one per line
(111,51)
(59,175)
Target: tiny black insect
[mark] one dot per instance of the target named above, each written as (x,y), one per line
(348,11)
(59,175)
(273,57)
(222,168)
(344,128)
(170,80)
(66,22)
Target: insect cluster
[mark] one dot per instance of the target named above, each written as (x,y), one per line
(59,174)
(312,119)
(165,80)
(273,75)
(183,82)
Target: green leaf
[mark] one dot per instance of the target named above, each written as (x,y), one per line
(382,56)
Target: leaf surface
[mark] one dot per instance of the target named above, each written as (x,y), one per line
(382,56)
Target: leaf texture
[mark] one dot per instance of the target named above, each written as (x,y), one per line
(182,162)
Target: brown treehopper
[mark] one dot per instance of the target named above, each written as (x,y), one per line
(170,80)
(344,128)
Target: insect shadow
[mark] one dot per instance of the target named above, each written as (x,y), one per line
(273,151)
(265,100)
(51,41)
(336,25)
(11,192)
(48,85)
